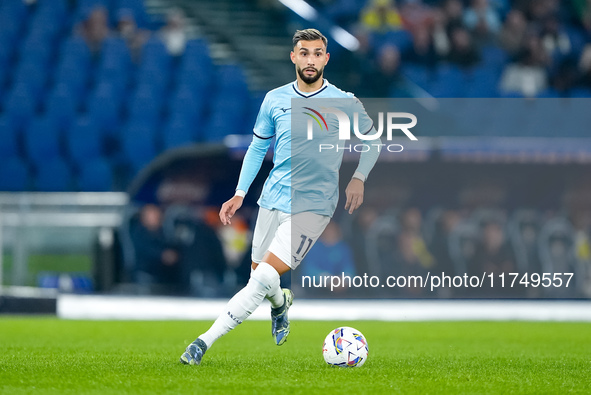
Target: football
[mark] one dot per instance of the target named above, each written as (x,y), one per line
(345,347)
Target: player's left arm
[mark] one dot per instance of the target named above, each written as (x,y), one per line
(356,187)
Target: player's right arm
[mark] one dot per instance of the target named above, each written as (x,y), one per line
(264,130)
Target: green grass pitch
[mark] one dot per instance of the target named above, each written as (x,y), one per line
(51,356)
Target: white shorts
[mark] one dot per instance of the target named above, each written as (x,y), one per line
(289,237)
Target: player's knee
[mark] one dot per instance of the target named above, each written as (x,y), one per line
(264,278)
(275,262)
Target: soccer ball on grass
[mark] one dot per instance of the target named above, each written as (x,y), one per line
(345,347)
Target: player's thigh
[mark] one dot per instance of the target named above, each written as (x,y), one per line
(264,232)
(306,229)
(296,235)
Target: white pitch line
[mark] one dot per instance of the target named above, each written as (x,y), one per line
(167,308)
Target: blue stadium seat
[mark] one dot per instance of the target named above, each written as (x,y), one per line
(178,134)
(32,75)
(577,39)
(85,7)
(4,72)
(196,58)
(116,47)
(227,117)
(401,39)
(14,175)
(83,141)
(136,7)
(111,90)
(95,176)
(138,144)
(6,52)
(234,105)
(449,82)
(186,92)
(187,116)
(105,111)
(8,137)
(105,104)
(117,78)
(418,74)
(36,50)
(149,92)
(56,8)
(53,176)
(61,106)
(8,33)
(41,140)
(344,10)
(12,18)
(482,82)
(46,26)
(115,62)
(184,104)
(196,49)
(548,93)
(494,57)
(146,104)
(20,104)
(199,82)
(155,55)
(580,93)
(157,79)
(74,75)
(74,49)
(14,9)
(231,77)
(116,50)
(511,95)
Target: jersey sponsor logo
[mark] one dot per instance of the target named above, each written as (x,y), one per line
(285,109)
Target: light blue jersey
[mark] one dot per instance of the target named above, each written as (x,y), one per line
(302,178)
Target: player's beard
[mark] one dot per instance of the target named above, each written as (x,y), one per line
(312,79)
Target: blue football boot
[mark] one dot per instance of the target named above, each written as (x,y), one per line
(279,321)
(194,353)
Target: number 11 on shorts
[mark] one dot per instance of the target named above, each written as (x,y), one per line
(302,244)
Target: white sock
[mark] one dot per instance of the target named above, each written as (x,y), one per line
(241,306)
(275,295)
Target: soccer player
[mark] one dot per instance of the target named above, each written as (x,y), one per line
(284,234)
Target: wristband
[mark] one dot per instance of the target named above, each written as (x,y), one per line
(359,176)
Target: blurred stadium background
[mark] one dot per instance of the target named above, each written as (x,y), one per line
(123,124)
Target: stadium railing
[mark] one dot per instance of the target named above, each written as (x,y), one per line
(36,222)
